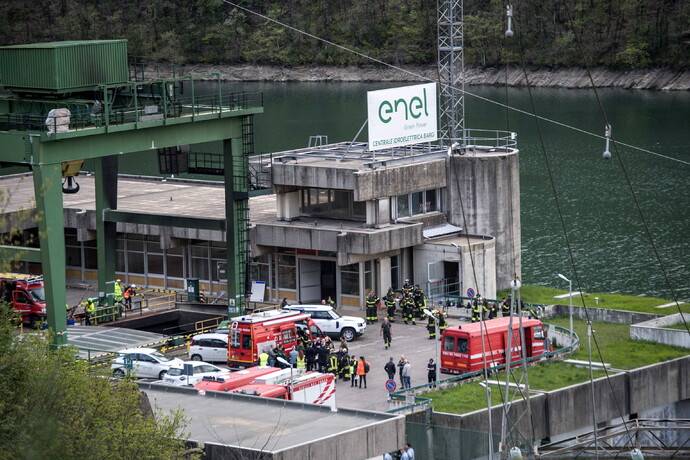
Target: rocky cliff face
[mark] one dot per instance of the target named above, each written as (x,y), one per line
(657,79)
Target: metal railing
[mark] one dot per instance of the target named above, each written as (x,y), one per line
(136,102)
(491,138)
(406,400)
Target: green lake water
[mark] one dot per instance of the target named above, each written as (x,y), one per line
(611,249)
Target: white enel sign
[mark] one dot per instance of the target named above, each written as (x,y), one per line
(402,116)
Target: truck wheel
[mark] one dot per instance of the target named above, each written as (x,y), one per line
(119,374)
(162,374)
(348,334)
(196,357)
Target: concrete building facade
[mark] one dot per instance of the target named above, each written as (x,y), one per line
(341,220)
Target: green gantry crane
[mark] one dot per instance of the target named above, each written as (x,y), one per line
(66,102)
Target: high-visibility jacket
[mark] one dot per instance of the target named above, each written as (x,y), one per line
(301,362)
(90,307)
(263,359)
(117,291)
(333,363)
(360,368)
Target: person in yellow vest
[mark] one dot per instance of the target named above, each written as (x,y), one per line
(89,311)
(117,291)
(263,359)
(301,361)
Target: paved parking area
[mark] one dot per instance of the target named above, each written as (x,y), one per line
(408,340)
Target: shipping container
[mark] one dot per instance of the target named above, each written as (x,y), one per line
(63,67)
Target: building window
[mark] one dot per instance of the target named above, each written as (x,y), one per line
(72,248)
(368,278)
(287,272)
(349,279)
(174,261)
(416,203)
(260,269)
(395,272)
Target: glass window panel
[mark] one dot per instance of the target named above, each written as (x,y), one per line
(121,261)
(175,268)
(403,206)
(349,279)
(135,262)
(431,201)
(90,244)
(154,248)
(217,253)
(73,256)
(90,258)
(120,243)
(368,279)
(417,203)
(135,245)
(287,275)
(71,237)
(359,210)
(200,268)
(178,250)
(155,265)
(199,250)
(395,273)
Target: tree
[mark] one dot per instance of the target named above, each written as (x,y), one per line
(54,406)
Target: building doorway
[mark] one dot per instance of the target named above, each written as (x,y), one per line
(316,280)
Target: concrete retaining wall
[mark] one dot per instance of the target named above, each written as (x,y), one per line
(655,331)
(599,314)
(568,409)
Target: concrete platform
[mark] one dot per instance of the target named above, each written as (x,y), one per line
(95,341)
(248,427)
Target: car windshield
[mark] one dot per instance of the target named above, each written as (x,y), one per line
(160,357)
(335,315)
(38,294)
(174,371)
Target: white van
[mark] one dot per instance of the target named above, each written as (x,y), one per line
(330,322)
(209,347)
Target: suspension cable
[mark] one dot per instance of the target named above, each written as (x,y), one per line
(464,91)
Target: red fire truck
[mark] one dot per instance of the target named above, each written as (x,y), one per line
(234,380)
(309,387)
(462,345)
(252,334)
(25,294)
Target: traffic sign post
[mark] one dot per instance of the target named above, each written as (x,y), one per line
(391,385)
(470,293)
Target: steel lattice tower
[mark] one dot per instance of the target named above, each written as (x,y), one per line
(451,70)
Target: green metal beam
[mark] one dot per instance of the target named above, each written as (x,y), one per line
(136,140)
(20,253)
(106,232)
(111,215)
(51,234)
(236,224)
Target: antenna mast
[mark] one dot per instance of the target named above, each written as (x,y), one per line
(451,71)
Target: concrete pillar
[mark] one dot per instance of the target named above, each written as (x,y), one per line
(288,205)
(384,275)
(378,213)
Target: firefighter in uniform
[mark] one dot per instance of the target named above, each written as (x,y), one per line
(442,323)
(352,367)
(493,310)
(408,306)
(389,300)
(333,364)
(476,311)
(345,367)
(505,307)
(419,302)
(431,325)
(372,303)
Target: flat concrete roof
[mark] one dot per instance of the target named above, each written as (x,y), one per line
(355,156)
(459,239)
(252,423)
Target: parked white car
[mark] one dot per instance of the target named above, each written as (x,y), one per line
(209,347)
(331,323)
(145,363)
(176,375)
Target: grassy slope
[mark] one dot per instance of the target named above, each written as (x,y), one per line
(545,295)
(617,349)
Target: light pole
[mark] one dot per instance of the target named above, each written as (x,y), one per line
(570,302)
(431,315)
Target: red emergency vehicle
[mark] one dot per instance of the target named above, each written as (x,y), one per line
(251,334)
(234,380)
(309,387)
(25,293)
(462,345)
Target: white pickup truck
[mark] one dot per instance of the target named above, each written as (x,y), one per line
(331,323)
